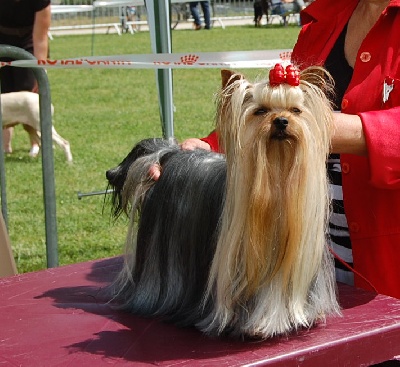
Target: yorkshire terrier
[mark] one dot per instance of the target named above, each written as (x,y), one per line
(235,243)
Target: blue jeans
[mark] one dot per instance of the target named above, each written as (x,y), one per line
(205,6)
(283,8)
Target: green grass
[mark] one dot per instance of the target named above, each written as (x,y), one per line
(103,113)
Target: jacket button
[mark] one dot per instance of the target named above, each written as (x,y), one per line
(345,167)
(345,103)
(354,227)
(365,56)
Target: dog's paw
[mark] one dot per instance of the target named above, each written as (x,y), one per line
(34,151)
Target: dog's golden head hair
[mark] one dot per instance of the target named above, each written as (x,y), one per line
(276,140)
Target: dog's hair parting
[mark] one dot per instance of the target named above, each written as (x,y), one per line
(23,108)
(235,244)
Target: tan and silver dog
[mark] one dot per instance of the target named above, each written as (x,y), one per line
(235,244)
(23,108)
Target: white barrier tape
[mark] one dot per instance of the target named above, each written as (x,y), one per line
(234,59)
(63,9)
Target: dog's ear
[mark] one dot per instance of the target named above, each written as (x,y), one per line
(229,76)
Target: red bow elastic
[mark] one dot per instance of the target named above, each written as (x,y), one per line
(279,75)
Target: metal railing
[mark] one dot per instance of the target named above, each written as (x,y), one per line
(49,194)
(67,14)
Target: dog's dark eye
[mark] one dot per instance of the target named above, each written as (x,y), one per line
(261,111)
(295,110)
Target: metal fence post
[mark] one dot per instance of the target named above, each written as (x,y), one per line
(49,195)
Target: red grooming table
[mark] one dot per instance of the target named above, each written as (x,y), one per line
(59,317)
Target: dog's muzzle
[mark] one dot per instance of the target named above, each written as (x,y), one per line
(112,175)
(280,123)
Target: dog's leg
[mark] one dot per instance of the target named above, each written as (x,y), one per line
(34,123)
(34,137)
(7,137)
(62,143)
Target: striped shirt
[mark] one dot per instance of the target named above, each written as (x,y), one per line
(340,243)
(338,228)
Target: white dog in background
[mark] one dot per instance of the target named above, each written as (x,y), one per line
(23,108)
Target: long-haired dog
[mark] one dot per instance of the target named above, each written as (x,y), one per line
(234,244)
(23,108)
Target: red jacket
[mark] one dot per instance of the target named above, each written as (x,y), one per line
(371,185)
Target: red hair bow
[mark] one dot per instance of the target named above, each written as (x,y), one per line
(279,75)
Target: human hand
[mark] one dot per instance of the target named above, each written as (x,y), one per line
(194,143)
(188,144)
(155,171)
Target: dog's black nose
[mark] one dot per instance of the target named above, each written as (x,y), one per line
(281,123)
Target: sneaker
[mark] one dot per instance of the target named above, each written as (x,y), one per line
(197,27)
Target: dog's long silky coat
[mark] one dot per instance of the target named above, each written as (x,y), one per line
(234,244)
(23,108)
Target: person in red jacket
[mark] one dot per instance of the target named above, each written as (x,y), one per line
(358,42)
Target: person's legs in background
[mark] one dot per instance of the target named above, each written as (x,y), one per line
(205,6)
(287,8)
(195,14)
(279,9)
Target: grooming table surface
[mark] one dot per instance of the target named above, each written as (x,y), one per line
(59,317)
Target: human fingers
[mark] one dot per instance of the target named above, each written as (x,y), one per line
(155,172)
(194,143)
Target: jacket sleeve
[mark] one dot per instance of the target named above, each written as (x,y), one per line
(212,140)
(382,134)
